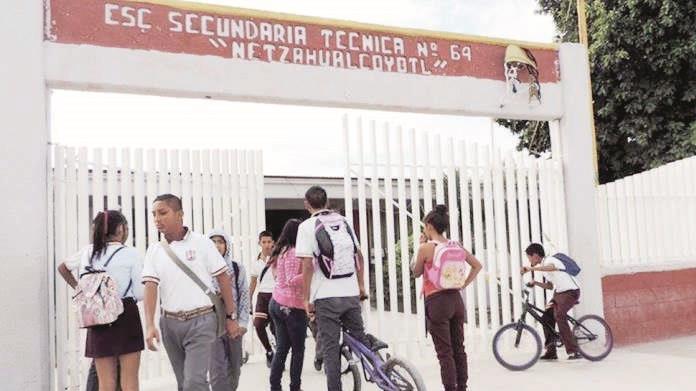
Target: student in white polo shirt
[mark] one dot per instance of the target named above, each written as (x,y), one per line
(71,265)
(262,278)
(334,300)
(188,322)
(566,294)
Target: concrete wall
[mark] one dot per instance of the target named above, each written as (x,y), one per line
(649,306)
(24,334)
(185,75)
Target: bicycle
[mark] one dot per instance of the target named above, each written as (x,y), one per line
(517,346)
(386,372)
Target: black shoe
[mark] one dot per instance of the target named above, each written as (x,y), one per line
(269,358)
(574,356)
(318,363)
(549,356)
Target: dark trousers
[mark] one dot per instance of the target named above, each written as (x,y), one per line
(445,314)
(225,364)
(557,313)
(315,334)
(334,314)
(262,319)
(291,332)
(93,380)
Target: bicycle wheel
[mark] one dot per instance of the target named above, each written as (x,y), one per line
(516,348)
(403,375)
(594,337)
(350,373)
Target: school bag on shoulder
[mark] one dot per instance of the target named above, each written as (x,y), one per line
(448,269)
(215,298)
(97,299)
(571,267)
(337,248)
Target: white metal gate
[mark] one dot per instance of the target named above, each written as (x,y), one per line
(498,205)
(219,189)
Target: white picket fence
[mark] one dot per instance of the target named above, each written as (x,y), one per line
(219,189)
(647,221)
(498,205)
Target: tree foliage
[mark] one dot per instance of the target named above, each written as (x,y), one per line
(643,69)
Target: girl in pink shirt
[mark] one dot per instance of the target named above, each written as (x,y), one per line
(287,308)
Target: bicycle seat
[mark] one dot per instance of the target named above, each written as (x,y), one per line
(376,344)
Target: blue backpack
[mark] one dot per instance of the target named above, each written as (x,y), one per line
(571,267)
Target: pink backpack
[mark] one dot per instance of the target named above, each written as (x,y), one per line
(448,269)
(97,299)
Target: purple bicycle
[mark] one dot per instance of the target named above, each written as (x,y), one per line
(388,373)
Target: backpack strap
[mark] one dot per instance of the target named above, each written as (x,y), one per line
(90,269)
(235,268)
(184,268)
(352,236)
(263,272)
(130,284)
(218,304)
(112,256)
(439,246)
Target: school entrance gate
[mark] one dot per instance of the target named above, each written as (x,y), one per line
(179,49)
(219,190)
(497,205)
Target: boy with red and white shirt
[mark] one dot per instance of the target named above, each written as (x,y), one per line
(188,321)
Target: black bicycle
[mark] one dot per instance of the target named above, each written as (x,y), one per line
(517,346)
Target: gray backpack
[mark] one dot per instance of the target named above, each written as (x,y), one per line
(337,247)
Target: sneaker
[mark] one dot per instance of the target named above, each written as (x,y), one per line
(269,358)
(318,363)
(574,356)
(549,356)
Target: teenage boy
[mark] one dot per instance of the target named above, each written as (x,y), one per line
(334,301)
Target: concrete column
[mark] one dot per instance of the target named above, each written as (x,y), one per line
(24,335)
(574,139)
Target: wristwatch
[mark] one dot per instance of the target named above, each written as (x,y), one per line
(232,316)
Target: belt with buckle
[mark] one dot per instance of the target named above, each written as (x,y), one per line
(188,315)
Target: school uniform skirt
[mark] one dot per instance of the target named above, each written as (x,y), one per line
(123,336)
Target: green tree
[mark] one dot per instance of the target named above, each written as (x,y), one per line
(643,69)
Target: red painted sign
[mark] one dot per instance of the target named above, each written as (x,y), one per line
(256,36)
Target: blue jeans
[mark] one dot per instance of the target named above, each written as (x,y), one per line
(291,332)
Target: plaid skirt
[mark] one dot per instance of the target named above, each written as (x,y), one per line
(123,336)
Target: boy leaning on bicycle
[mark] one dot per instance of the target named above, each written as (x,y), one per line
(566,294)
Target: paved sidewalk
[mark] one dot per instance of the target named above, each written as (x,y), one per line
(662,366)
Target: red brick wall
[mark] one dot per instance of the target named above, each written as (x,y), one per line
(649,306)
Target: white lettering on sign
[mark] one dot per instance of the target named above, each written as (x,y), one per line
(422,49)
(115,15)
(457,53)
(190,26)
(353,41)
(220,27)
(328,58)
(288,43)
(175,21)
(206,21)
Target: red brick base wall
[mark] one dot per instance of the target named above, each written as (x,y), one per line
(649,306)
